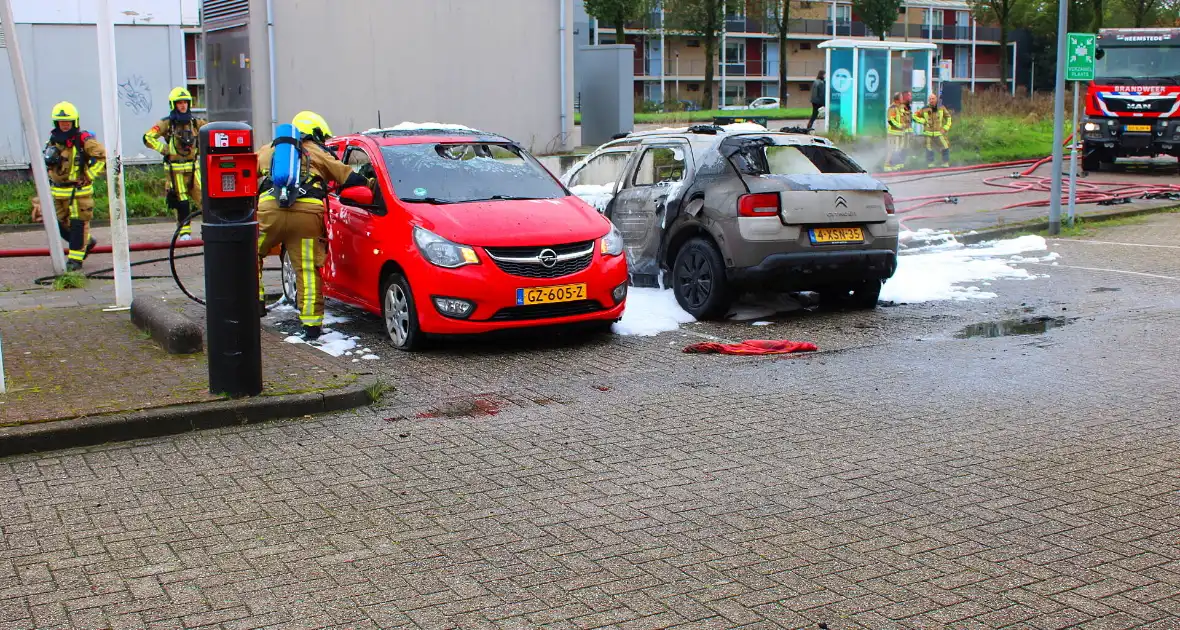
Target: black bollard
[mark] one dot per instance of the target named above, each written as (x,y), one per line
(229,182)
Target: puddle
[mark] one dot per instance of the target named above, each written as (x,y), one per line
(1103,290)
(1012,327)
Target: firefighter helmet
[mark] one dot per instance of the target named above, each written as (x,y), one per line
(65,110)
(179,94)
(312,124)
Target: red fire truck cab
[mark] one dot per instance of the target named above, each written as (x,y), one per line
(1132,104)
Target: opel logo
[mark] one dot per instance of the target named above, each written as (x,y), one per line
(547,258)
(840,203)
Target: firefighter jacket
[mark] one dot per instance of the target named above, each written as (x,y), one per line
(317,167)
(900,119)
(176,141)
(935,121)
(81,159)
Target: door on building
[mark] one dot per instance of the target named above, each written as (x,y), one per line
(962,67)
(654,58)
(770,61)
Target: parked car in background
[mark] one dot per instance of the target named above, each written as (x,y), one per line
(766,102)
(462,232)
(719,211)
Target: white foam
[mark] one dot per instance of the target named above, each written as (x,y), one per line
(947,271)
(595,195)
(651,312)
(370,357)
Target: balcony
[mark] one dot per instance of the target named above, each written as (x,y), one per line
(768,70)
(844,28)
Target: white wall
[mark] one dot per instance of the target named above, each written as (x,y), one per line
(61,62)
(157,12)
(491,64)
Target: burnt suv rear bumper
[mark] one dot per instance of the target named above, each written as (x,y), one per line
(811,270)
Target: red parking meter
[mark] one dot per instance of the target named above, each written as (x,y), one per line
(229,176)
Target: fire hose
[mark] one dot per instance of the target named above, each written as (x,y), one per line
(103,274)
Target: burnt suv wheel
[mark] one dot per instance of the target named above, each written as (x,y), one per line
(699,282)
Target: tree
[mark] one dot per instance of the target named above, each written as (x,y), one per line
(1142,11)
(878,15)
(703,18)
(616,12)
(1000,13)
(778,13)
(1099,11)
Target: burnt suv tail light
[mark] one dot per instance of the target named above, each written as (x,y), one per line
(758,205)
(889,207)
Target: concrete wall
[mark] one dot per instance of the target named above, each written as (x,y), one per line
(61,62)
(492,64)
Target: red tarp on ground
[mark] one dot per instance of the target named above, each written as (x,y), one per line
(753,346)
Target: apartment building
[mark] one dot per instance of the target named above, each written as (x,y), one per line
(671,62)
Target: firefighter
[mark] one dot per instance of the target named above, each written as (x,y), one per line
(936,124)
(900,122)
(73,158)
(175,138)
(300,227)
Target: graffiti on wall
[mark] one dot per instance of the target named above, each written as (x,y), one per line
(136,95)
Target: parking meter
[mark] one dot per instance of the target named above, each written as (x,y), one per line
(229,176)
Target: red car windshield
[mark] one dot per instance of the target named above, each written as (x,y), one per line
(464,172)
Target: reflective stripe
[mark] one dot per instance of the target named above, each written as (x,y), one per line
(60,192)
(182,167)
(261,258)
(74,214)
(95,169)
(307,268)
(77,255)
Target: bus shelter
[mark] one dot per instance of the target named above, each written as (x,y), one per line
(864,74)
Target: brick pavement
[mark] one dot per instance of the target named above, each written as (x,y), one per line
(908,479)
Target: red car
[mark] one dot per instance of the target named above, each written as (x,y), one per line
(467,233)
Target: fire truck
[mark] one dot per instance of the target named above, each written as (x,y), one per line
(1132,104)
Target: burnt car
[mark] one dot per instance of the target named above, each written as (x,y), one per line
(718,211)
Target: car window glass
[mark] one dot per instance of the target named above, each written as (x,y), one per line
(793,160)
(603,170)
(360,163)
(456,172)
(660,165)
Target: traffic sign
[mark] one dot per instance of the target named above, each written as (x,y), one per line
(1079,62)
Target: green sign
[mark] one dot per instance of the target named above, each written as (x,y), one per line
(1079,60)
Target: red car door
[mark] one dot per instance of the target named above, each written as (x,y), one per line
(353,238)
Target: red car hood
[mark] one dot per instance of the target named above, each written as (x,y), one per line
(511,223)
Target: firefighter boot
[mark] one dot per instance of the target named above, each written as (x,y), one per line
(946,157)
(77,244)
(311,333)
(929,158)
(262,311)
(182,223)
(90,245)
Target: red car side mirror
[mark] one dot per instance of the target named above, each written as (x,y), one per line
(357,195)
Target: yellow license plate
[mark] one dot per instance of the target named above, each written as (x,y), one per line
(837,235)
(1138,127)
(550,295)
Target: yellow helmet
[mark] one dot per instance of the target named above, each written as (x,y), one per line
(65,110)
(179,94)
(312,124)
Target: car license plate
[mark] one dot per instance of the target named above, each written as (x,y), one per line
(550,295)
(1139,128)
(837,235)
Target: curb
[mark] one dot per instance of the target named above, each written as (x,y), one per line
(149,423)
(992,234)
(173,331)
(10,228)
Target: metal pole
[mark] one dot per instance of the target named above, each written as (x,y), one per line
(1058,123)
(663,61)
(116,195)
(1073,159)
(29,126)
(974,37)
(1014,51)
(677,71)
(724,12)
(833,19)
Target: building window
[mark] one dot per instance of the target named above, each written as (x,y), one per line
(693,43)
(735,93)
(194,57)
(694,87)
(804,45)
(735,51)
(843,13)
